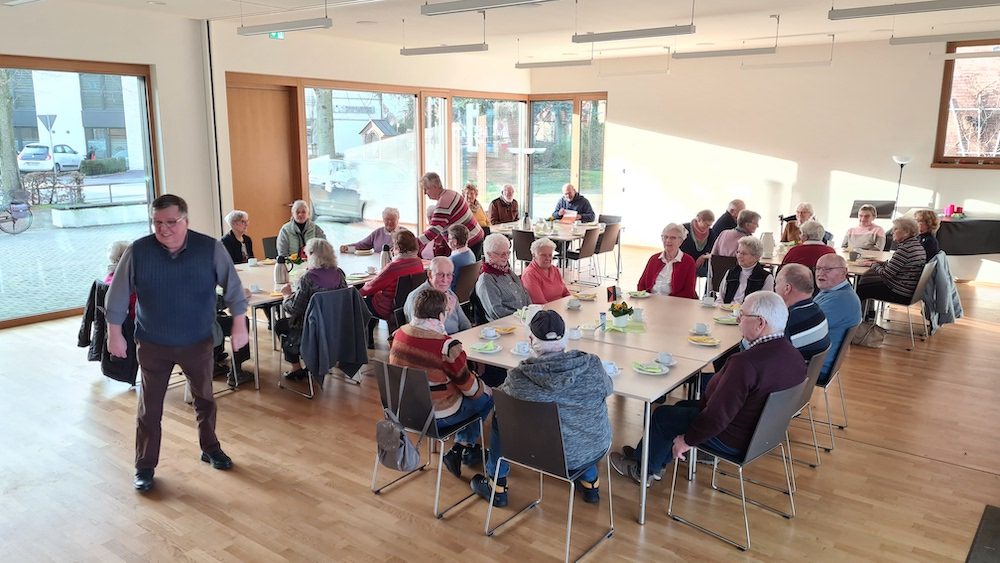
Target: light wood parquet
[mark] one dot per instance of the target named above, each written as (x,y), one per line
(907,482)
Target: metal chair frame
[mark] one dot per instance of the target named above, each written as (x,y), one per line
(835,371)
(813,369)
(588,248)
(604,247)
(918,297)
(413,410)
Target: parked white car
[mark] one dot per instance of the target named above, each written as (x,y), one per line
(35,157)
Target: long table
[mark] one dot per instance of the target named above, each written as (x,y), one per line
(667,322)
(853,267)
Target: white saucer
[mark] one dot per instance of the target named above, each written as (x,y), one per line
(694,333)
(573,308)
(484,337)
(670,365)
(708,305)
(523,355)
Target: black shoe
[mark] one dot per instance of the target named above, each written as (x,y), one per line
(297,375)
(143,480)
(239,379)
(473,455)
(631,453)
(482,486)
(453,460)
(591,490)
(221,368)
(218,459)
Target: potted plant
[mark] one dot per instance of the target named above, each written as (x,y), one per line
(620,312)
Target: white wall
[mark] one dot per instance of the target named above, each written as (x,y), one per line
(709,131)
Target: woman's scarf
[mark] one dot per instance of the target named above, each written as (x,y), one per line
(699,234)
(433,325)
(489,268)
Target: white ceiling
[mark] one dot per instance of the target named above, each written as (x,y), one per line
(544,30)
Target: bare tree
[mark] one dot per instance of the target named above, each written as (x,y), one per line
(977,114)
(10,179)
(326,143)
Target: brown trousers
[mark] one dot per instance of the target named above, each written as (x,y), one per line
(156,363)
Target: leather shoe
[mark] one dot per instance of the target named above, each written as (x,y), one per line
(143,480)
(218,459)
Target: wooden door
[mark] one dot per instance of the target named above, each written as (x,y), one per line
(264,145)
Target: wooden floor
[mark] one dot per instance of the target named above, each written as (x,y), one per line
(908,481)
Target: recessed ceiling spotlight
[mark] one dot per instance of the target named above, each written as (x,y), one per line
(156,3)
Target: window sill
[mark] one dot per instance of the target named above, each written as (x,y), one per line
(967,165)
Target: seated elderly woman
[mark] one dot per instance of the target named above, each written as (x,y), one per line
(381,236)
(498,289)
(439,277)
(670,272)
(458,393)
(746,224)
(867,235)
(471,194)
(380,293)
(897,278)
(322,274)
(461,254)
(237,242)
(294,234)
(541,280)
(747,276)
(700,239)
(928,223)
(812,248)
(792,229)
(577,382)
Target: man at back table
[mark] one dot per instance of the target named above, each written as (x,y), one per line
(728,219)
(174,274)
(726,415)
(839,302)
(573,200)
(504,208)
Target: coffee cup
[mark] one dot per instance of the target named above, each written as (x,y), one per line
(708,300)
(610,368)
(254,288)
(371,270)
(700,328)
(351,247)
(522,348)
(489,332)
(574,333)
(637,314)
(854,255)
(251,261)
(573,303)
(665,358)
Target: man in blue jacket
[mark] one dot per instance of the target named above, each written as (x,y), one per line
(573,200)
(840,304)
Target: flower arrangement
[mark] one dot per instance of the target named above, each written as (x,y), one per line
(620,309)
(295,258)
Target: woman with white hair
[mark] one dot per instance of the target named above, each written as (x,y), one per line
(499,290)
(115,251)
(813,248)
(747,276)
(294,235)
(746,224)
(792,231)
(381,236)
(237,242)
(897,278)
(541,280)
(322,274)
(670,272)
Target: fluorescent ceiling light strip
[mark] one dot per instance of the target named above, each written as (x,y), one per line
(726,53)
(459,6)
(443,49)
(13,3)
(909,8)
(634,34)
(297,25)
(555,64)
(972,55)
(917,39)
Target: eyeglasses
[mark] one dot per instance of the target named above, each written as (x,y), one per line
(169,223)
(830,269)
(742,315)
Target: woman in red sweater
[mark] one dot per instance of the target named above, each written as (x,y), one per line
(380,293)
(812,247)
(670,272)
(541,279)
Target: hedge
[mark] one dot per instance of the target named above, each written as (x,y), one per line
(103,166)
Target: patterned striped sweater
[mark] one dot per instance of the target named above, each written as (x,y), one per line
(807,328)
(902,272)
(444,361)
(451,209)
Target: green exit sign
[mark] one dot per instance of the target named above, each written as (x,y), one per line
(276,35)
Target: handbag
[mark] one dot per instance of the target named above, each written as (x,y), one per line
(869,335)
(395,449)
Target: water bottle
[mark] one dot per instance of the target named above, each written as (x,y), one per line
(386,257)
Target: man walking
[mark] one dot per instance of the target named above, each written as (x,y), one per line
(174,274)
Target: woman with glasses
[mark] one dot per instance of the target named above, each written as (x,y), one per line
(747,276)
(238,244)
(498,289)
(670,272)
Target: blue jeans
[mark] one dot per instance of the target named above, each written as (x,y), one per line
(667,423)
(590,475)
(470,408)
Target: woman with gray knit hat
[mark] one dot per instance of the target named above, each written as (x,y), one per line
(574,380)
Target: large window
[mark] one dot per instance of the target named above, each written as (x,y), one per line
(486,145)
(101,92)
(107,142)
(362,158)
(436,136)
(969,120)
(551,147)
(592,117)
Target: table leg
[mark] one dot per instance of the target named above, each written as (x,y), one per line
(644,464)
(256,349)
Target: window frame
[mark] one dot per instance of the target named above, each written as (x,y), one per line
(947,80)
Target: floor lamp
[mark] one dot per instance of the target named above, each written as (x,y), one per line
(901,161)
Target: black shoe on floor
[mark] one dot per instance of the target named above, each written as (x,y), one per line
(453,460)
(473,455)
(239,379)
(482,486)
(218,459)
(143,480)
(297,375)
(591,491)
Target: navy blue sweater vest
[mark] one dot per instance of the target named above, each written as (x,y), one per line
(754,283)
(176,296)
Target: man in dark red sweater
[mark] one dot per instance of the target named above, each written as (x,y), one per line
(726,416)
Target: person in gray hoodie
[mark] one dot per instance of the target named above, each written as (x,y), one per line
(574,380)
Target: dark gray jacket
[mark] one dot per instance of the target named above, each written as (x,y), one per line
(577,382)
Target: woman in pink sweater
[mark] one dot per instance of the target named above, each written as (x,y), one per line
(541,279)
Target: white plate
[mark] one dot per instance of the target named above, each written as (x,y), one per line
(521,354)
(475,348)
(571,308)
(709,344)
(637,295)
(706,333)
(670,365)
(663,370)
(708,305)
(484,337)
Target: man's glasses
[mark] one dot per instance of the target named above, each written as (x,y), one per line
(743,315)
(830,269)
(169,223)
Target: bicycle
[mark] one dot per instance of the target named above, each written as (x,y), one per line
(16,217)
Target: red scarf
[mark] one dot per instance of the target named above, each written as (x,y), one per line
(700,234)
(495,270)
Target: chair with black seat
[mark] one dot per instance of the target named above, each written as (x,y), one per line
(416,413)
(717,267)
(404,287)
(522,246)
(768,435)
(588,247)
(917,297)
(813,369)
(270,245)
(825,385)
(465,285)
(532,438)
(606,243)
